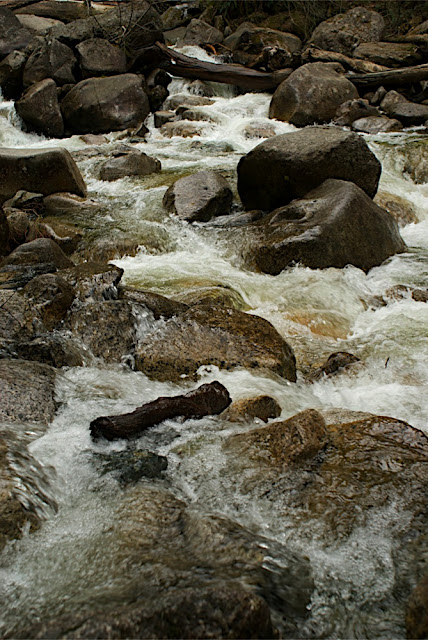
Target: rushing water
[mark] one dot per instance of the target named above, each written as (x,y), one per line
(55,570)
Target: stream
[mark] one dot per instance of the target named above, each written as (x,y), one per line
(72,560)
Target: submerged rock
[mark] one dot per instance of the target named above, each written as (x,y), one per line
(336,362)
(199,197)
(290,165)
(247,409)
(334,225)
(222,337)
(131,465)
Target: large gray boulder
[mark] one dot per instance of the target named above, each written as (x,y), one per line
(334,225)
(39,109)
(50,59)
(97,57)
(252,39)
(289,165)
(199,197)
(199,32)
(311,94)
(13,36)
(210,335)
(99,105)
(40,170)
(345,31)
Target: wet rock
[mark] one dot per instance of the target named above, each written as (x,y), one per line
(389,54)
(163,117)
(63,204)
(26,200)
(91,138)
(376,124)
(11,70)
(218,295)
(208,399)
(311,94)
(252,131)
(353,110)
(135,163)
(94,281)
(290,165)
(97,57)
(28,391)
(50,59)
(336,362)
(282,443)
(247,409)
(4,234)
(199,32)
(194,114)
(13,36)
(13,311)
(39,109)
(334,225)
(37,25)
(399,208)
(39,170)
(181,129)
(159,306)
(40,251)
(253,39)
(65,236)
(408,113)
(174,17)
(100,105)
(50,298)
(416,162)
(51,349)
(129,466)
(199,197)
(417,611)
(344,31)
(106,328)
(185,100)
(113,246)
(225,338)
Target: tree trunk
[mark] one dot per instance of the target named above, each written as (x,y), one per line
(395,77)
(315,54)
(209,399)
(186,67)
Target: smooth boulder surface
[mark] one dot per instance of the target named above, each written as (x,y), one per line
(37,25)
(39,109)
(376,124)
(100,105)
(135,163)
(97,57)
(40,170)
(289,165)
(218,336)
(311,95)
(39,251)
(199,197)
(50,59)
(345,31)
(11,70)
(334,225)
(13,36)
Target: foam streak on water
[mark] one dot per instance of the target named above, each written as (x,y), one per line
(50,572)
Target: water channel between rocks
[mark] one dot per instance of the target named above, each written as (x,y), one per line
(73,559)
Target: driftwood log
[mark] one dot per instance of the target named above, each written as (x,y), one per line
(209,399)
(315,54)
(186,67)
(395,77)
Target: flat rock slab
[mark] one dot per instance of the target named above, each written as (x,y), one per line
(26,391)
(222,337)
(40,170)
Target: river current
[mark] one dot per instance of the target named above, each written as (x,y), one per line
(319,312)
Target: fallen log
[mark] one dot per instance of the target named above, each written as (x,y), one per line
(208,399)
(395,77)
(315,54)
(186,67)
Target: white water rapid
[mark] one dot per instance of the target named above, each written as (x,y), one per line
(66,562)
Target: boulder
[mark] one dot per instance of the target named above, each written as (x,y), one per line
(311,94)
(174,17)
(217,336)
(163,117)
(11,70)
(199,197)
(28,391)
(94,281)
(50,298)
(135,163)
(13,313)
(100,105)
(159,306)
(390,54)
(60,204)
(376,124)
(417,611)
(106,328)
(334,225)
(39,109)
(352,110)
(39,251)
(289,165)
(37,25)
(248,409)
(336,362)
(13,36)
(65,11)
(130,466)
(181,129)
(408,113)
(97,57)
(185,100)
(399,208)
(43,170)
(199,32)
(345,31)
(54,350)
(4,234)
(253,39)
(50,59)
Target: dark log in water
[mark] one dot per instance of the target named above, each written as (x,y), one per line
(395,77)
(186,67)
(209,399)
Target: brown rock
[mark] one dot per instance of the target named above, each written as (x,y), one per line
(336,362)
(199,197)
(13,36)
(247,409)
(97,57)
(353,110)
(39,109)
(376,124)
(11,70)
(399,208)
(389,54)
(94,281)
(28,391)
(135,163)
(417,611)
(180,129)
(50,59)
(38,251)
(159,306)
(50,298)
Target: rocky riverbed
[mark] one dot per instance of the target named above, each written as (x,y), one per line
(212,330)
